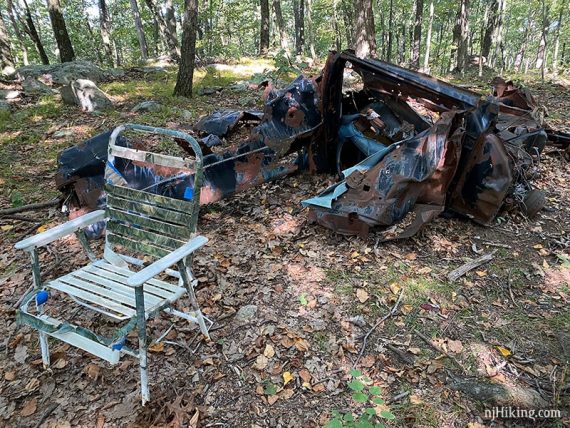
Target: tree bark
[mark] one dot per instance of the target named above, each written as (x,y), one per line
(460,35)
(419,6)
(31,30)
(541,53)
(557,37)
(188,50)
(498,56)
(140,29)
(264,28)
(390,31)
(14,19)
(428,37)
(283,38)
(348,17)
(365,32)
(66,52)
(310,29)
(299,16)
(6,59)
(166,26)
(105,29)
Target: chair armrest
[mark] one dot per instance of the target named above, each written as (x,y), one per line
(160,265)
(60,231)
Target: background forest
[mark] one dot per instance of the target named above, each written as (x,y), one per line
(435,35)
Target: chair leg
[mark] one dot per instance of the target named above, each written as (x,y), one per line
(141,324)
(189,284)
(45,349)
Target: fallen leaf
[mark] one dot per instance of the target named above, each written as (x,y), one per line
(305,375)
(272,399)
(287,377)
(301,344)
(406,309)
(30,407)
(286,393)
(415,351)
(269,352)
(9,376)
(455,346)
(194,419)
(411,256)
(504,351)
(394,288)
(42,228)
(368,361)
(362,295)
(414,399)
(481,273)
(6,227)
(100,421)
(261,362)
(59,364)
(156,347)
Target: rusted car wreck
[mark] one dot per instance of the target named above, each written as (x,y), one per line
(406,148)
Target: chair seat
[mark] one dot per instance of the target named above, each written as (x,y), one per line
(103,287)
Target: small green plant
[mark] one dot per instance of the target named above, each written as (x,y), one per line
(363,393)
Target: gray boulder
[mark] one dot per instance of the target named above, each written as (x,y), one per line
(150,106)
(9,94)
(85,94)
(32,86)
(65,73)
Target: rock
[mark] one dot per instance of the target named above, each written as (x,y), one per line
(86,94)
(9,94)
(183,113)
(209,91)
(115,73)
(147,106)
(246,312)
(64,73)
(63,133)
(32,86)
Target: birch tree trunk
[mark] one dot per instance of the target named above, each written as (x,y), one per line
(428,37)
(140,30)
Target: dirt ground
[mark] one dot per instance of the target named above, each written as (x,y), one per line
(310,297)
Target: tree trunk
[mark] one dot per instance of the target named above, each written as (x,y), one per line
(365,32)
(336,27)
(311,29)
(14,19)
(299,15)
(520,54)
(264,28)
(419,6)
(64,46)
(390,31)
(283,38)
(31,30)
(541,53)
(166,26)
(140,29)
(188,50)
(6,59)
(490,29)
(460,35)
(348,17)
(105,29)
(428,37)
(499,35)
(557,37)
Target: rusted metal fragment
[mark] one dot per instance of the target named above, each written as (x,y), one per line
(417,171)
(222,123)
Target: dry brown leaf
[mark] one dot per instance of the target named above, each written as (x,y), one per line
(100,421)
(286,393)
(394,288)
(272,399)
(261,362)
(156,347)
(368,361)
(30,407)
(60,364)
(455,346)
(301,344)
(92,370)
(269,352)
(305,375)
(194,419)
(362,295)
(414,399)
(9,376)
(411,256)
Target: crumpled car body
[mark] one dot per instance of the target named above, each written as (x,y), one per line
(406,146)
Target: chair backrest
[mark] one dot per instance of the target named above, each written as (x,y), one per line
(142,218)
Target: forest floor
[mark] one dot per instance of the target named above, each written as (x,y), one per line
(316,295)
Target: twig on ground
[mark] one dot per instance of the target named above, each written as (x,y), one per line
(454,275)
(31,207)
(18,217)
(380,321)
(46,414)
(441,351)
(399,397)
(510,289)
(493,244)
